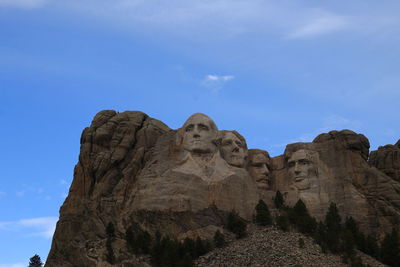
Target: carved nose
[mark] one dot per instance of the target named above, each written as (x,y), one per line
(266,170)
(296,169)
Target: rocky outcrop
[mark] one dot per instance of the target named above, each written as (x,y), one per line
(387,160)
(135,170)
(334,168)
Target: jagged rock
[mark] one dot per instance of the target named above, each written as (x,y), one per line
(387,160)
(135,170)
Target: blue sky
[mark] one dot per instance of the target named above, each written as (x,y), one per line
(277,71)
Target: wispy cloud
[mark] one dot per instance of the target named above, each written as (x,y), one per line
(216,82)
(20,193)
(322,24)
(26,4)
(42,226)
(2,193)
(330,123)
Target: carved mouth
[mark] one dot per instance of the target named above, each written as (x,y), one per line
(299,179)
(264,181)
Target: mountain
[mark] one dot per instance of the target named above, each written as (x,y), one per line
(134,172)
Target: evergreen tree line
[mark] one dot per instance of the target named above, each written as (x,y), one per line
(336,237)
(163,250)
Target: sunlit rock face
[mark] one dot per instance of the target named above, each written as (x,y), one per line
(135,170)
(258,168)
(233,148)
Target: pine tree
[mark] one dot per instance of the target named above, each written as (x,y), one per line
(333,228)
(390,249)
(263,216)
(300,217)
(35,261)
(236,225)
(201,247)
(371,247)
(282,222)
(279,201)
(110,230)
(219,240)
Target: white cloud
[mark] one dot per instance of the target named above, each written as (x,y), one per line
(216,82)
(322,24)
(42,226)
(2,193)
(27,4)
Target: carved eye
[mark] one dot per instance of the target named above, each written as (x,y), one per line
(304,162)
(239,144)
(189,128)
(203,127)
(226,142)
(291,164)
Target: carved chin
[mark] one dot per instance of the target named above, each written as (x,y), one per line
(235,161)
(263,185)
(302,184)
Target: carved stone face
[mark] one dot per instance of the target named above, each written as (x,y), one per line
(199,134)
(233,150)
(301,169)
(258,169)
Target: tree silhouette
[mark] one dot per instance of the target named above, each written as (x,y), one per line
(219,240)
(263,216)
(35,261)
(279,201)
(236,224)
(390,249)
(333,228)
(300,217)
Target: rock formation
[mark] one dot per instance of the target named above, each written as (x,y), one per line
(387,160)
(135,170)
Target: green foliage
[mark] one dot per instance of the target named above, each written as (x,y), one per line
(236,225)
(333,228)
(168,252)
(110,252)
(320,237)
(348,244)
(371,247)
(219,239)
(35,261)
(282,222)
(279,201)
(110,230)
(300,217)
(138,241)
(263,216)
(390,249)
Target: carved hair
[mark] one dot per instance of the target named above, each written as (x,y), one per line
(222,134)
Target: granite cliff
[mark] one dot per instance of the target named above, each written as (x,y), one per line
(135,170)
